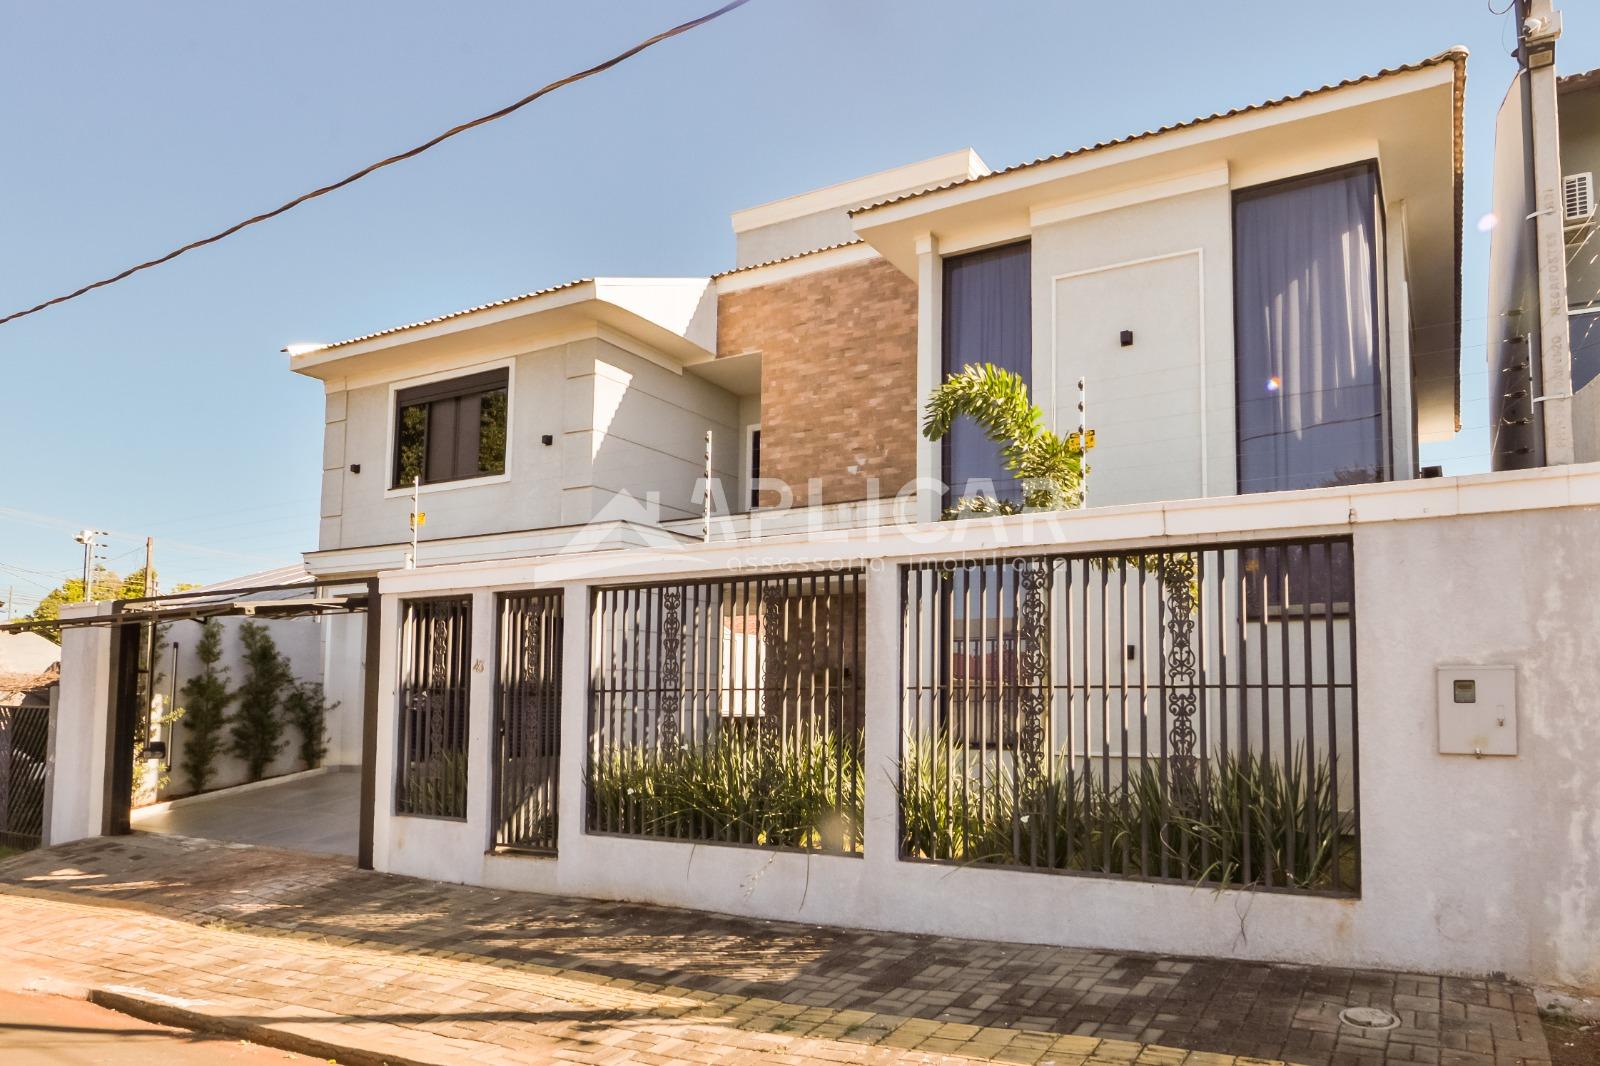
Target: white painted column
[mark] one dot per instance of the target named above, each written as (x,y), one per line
(480,725)
(76,768)
(383,827)
(1402,424)
(881,761)
(930,318)
(575,633)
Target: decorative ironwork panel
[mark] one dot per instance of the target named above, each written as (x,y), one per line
(729,711)
(435,672)
(528,721)
(24,743)
(1187,714)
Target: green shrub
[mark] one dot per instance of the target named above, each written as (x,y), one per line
(306,708)
(1135,828)
(735,788)
(436,787)
(257,733)
(205,709)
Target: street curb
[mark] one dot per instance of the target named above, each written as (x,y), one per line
(201,1021)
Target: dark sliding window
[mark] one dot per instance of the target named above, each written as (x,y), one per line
(1308,353)
(755,466)
(988,318)
(451,430)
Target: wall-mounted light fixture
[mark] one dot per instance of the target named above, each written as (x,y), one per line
(1127,338)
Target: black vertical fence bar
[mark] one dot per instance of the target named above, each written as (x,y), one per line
(729,711)
(1352,840)
(528,721)
(1239,661)
(1332,704)
(435,671)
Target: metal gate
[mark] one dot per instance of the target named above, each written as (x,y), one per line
(435,665)
(528,721)
(24,739)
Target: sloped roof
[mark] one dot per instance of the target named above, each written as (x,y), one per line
(1457,55)
(446,317)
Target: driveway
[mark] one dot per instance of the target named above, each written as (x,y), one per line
(313,813)
(310,947)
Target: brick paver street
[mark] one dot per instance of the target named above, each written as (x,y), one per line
(434,973)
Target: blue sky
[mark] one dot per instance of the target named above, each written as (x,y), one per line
(162,406)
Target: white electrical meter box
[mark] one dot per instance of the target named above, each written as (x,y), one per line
(1477,710)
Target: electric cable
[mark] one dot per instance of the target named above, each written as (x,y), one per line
(390,161)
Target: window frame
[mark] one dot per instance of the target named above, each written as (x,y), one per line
(391,457)
(1380,305)
(945,366)
(752,467)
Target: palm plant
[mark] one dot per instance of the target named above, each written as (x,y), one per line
(1049,467)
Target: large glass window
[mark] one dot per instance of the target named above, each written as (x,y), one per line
(1308,349)
(450,430)
(987,319)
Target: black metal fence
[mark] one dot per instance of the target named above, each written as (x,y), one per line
(24,745)
(528,722)
(435,669)
(1184,715)
(729,711)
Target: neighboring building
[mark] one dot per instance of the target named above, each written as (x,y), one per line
(27,653)
(1544,261)
(1578,98)
(1262,299)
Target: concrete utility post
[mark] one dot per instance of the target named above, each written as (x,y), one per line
(87,537)
(1538,27)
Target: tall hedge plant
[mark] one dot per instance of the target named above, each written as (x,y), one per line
(206,698)
(258,726)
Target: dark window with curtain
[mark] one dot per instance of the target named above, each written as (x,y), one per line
(450,430)
(1308,353)
(988,306)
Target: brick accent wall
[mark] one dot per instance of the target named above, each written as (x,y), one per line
(838,377)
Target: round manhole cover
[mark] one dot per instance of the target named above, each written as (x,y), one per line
(1368,1018)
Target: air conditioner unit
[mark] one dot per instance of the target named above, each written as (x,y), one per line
(1577,197)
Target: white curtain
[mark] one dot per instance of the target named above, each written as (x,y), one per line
(1310,383)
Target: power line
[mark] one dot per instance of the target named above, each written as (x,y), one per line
(391,160)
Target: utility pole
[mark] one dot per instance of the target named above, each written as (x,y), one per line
(1538,27)
(151,633)
(86,537)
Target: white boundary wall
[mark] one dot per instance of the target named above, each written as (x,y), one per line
(1469,865)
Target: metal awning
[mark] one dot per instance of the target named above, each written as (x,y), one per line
(295,599)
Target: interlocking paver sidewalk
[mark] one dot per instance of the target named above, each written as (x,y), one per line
(471,974)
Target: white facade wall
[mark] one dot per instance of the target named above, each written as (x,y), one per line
(1163,408)
(619,423)
(1158,262)
(1469,865)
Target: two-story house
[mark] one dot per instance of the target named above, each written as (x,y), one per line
(1264,298)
